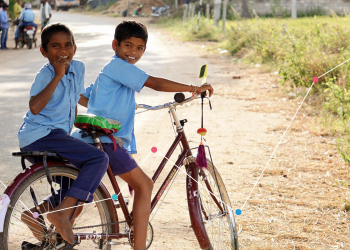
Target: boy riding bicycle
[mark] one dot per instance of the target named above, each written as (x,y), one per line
(54,95)
(113,96)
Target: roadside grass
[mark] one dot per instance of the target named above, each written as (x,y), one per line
(302,201)
(298,50)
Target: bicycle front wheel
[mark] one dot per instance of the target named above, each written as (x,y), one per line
(17,230)
(215,210)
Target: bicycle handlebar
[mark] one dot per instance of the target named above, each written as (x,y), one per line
(165,105)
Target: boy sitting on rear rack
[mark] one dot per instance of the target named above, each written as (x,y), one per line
(113,96)
(54,95)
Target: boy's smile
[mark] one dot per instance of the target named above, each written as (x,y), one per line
(60,48)
(130,49)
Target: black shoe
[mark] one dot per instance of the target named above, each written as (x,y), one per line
(29,246)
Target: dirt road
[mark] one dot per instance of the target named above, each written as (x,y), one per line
(299,201)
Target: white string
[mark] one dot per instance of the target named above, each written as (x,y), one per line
(286,132)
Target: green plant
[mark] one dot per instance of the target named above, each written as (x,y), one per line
(299,50)
(346,207)
(11,10)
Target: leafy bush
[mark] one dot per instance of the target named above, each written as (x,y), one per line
(299,49)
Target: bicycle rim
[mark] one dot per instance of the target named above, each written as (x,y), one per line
(16,230)
(217,214)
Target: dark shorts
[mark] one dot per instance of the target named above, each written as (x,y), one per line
(91,161)
(120,160)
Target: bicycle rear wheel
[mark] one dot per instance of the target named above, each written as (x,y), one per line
(16,231)
(215,209)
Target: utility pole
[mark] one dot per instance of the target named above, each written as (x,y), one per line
(294,9)
(245,10)
(189,11)
(199,15)
(217,8)
(207,11)
(224,12)
(185,13)
(176,4)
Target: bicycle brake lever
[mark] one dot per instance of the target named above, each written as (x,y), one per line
(209,102)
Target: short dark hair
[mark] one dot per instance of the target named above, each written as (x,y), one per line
(52,29)
(5,5)
(127,29)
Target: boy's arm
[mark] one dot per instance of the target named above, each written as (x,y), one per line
(162,84)
(39,101)
(83,101)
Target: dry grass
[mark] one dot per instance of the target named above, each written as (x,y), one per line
(300,201)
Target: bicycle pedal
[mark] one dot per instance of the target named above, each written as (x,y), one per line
(117,204)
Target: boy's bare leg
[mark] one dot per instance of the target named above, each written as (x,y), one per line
(60,219)
(35,225)
(142,186)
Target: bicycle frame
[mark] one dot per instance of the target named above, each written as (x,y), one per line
(191,168)
(185,158)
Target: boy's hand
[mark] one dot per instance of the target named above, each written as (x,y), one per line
(204,88)
(60,66)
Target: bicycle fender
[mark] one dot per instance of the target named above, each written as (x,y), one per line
(11,189)
(4,202)
(194,206)
(16,183)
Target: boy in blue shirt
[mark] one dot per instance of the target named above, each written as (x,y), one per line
(54,95)
(113,96)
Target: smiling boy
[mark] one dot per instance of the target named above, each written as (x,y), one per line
(54,95)
(113,96)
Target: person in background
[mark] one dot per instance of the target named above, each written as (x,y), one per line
(18,11)
(28,17)
(4,24)
(17,8)
(1,3)
(137,11)
(45,13)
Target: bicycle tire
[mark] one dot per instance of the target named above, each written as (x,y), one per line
(219,227)
(16,231)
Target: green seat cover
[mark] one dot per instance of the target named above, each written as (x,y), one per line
(84,121)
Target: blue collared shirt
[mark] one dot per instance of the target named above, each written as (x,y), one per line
(113,96)
(28,15)
(59,112)
(4,24)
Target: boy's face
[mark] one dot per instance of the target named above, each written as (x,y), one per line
(130,49)
(60,47)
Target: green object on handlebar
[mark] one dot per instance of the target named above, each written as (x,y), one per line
(203,73)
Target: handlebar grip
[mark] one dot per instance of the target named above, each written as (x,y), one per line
(179,97)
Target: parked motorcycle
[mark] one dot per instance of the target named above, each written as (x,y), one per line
(160,11)
(27,37)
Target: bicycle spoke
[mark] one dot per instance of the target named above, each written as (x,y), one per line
(216,216)
(28,227)
(29,217)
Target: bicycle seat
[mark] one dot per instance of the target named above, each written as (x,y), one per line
(51,155)
(88,121)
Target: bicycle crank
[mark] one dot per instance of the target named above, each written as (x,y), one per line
(149,237)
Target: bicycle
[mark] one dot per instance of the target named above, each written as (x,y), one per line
(211,215)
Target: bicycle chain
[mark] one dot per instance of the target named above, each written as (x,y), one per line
(100,225)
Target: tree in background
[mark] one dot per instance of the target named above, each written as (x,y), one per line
(245,10)
(11,12)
